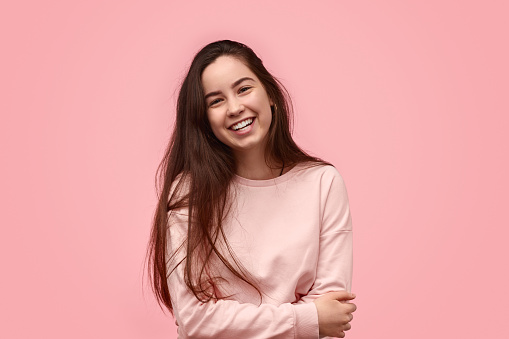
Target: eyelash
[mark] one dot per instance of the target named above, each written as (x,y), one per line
(213,102)
(241,90)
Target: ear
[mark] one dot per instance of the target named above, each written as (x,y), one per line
(271,102)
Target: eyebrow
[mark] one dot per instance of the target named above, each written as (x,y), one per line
(236,83)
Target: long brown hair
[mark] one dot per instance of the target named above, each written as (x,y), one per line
(197,159)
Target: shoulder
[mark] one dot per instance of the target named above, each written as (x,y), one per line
(325,173)
(322,177)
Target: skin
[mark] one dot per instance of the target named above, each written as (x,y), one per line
(247,99)
(335,313)
(233,101)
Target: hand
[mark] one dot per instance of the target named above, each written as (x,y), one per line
(335,313)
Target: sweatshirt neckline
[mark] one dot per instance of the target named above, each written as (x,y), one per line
(267,182)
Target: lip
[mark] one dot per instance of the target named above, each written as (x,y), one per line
(244,131)
(230,127)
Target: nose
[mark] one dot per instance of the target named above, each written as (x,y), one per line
(235,107)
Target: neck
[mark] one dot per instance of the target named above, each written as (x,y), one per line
(252,165)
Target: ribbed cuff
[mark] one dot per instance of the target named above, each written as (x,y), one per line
(306,321)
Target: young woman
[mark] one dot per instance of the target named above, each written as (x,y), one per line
(252,237)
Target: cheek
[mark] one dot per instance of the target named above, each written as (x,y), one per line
(261,104)
(216,124)
(267,115)
(213,120)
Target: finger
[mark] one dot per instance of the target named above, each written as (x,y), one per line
(341,295)
(352,307)
(347,327)
(341,334)
(351,317)
(345,302)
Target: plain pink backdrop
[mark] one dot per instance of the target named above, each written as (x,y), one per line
(409,99)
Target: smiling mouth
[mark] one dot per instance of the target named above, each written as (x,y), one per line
(243,124)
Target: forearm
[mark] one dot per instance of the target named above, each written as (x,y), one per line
(232,319)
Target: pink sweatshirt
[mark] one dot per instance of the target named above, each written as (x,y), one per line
(294,235)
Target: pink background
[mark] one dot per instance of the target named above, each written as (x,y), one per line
(407,98)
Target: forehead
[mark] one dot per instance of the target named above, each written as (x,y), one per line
(223,72)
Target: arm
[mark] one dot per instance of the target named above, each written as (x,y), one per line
(335,261)
(229,318)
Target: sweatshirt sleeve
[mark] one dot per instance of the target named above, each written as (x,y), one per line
(335,261)
(231,319)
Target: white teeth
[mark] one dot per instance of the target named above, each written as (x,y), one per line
(242,124)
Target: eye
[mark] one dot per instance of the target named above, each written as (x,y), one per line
(243,89)
(213,102)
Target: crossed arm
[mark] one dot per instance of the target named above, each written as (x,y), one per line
(317,313)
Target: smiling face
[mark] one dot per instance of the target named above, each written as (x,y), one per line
(238,107)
